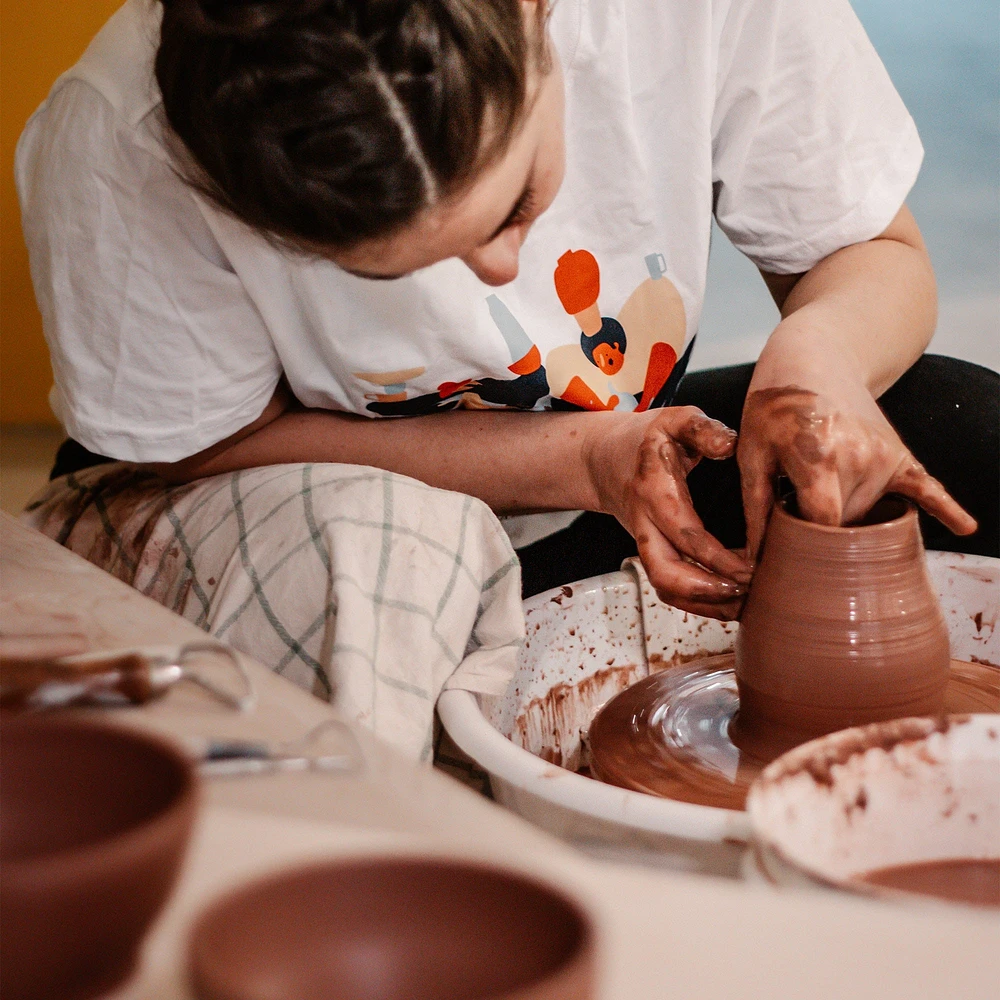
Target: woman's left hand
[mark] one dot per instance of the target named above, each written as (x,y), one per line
(840,452)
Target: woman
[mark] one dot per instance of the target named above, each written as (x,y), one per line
(257,230)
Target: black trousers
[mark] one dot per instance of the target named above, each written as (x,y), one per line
(946,411)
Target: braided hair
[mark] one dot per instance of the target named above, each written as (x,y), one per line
(324,123)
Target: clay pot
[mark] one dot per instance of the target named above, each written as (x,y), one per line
(841,628)
(394,929)
(94,819)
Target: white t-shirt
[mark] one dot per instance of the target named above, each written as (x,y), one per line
(170,323)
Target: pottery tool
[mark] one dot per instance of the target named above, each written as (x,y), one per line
(233,758)
(129,677)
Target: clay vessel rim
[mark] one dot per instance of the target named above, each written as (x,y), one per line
(325,867)
(818,755)
(581,952)
(96,855)
(910,512)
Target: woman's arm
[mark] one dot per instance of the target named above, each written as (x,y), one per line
(515,462)
(850,327)
(631,465)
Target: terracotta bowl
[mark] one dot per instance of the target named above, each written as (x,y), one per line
(906,792)
(393,929)
(94,820)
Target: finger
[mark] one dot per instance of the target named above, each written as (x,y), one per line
(674,516)
(727,612)
(676,580)
(818,495)
(757,473)
(864,497)
(913,481)
(697,543)
(703,435)
(669,507)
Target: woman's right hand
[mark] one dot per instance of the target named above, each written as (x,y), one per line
(638,464)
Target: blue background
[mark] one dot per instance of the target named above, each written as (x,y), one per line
(944,59)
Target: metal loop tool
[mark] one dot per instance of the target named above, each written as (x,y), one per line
(131,677)
(233,758)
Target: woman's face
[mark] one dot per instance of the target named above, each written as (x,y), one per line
(485,224)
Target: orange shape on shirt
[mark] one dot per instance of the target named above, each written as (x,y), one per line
(578,280)
(450,388)
(531,362)
(662,358)
(580,394)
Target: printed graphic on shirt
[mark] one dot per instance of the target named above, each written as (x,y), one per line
(620,363)
(623,363)
(393,383)
(522,392)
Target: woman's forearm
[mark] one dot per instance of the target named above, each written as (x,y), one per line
(515,462)
(851,326)
(865,313)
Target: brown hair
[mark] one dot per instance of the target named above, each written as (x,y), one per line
(323,123)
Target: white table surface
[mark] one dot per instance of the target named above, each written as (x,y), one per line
(660,934)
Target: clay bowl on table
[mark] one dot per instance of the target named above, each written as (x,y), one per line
(393,929)
(94,820)
(841,627)
(873,799)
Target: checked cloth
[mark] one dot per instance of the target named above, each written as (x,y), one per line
(367,588)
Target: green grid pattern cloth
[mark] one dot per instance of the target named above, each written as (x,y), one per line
(367,588)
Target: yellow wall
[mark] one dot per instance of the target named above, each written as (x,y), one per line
(40,40)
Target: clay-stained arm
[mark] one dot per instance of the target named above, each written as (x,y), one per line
(631,465)
(850,327)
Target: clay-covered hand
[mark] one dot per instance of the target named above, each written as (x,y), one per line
(638,465)
(840,457)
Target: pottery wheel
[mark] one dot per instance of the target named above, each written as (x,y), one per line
(668,734)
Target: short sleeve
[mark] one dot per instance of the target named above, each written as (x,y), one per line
(813,148)
(157,350)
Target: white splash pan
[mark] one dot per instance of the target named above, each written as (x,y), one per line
(588,641)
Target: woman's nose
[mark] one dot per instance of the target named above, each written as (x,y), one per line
(495,263)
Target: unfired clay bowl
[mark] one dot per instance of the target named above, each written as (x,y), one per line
(841,628)
(393,929)
(94,820)
(888,794)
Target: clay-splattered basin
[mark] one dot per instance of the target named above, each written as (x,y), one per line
(587,642)
(892,793)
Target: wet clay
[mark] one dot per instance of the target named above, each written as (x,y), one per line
(959,880)
(672,733)
(841,628)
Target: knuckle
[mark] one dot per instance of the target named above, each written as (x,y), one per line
(662,580)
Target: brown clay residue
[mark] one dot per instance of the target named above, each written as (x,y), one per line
(974,881)
(881,736)
(983,661)
(553,726)
(658,662)
(978,619)
(860,803)
(565,592)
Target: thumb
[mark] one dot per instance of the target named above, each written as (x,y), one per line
(705,436)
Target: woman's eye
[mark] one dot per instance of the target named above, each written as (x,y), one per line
(525,209)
